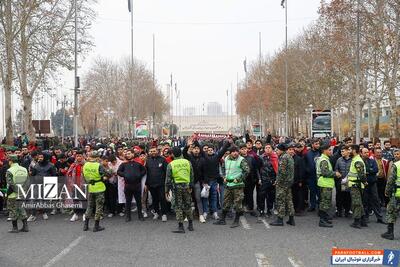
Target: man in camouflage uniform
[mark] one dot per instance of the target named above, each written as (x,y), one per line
(235,171)
(356,183)
(284,181)
(326,182)
(93,173)
(179,179)
(16,174)
(392,191)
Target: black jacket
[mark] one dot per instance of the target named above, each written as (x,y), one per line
(44,169)
(197,164)
(156,171)
(267,172)
(299,169)
(254,174)
(132,172)
(211,164)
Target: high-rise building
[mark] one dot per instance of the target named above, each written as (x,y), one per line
(214,109)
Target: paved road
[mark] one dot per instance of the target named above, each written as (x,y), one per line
(58,242)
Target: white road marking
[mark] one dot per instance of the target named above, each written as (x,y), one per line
(266,224)
(244,223)
(64,251)
(295,263)
(262,261)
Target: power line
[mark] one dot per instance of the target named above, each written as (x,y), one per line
(203,22)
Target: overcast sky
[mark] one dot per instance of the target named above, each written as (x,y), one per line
(202,42)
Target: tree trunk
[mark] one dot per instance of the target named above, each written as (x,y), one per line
(377,119)
(30,131)
(9,74)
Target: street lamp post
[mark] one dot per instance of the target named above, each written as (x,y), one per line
(357,93)
(284,5)
(76,80)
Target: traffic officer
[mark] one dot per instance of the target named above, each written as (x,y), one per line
(93,173)
(392,191)
(283,183)
(356,183)
(179,179)
(235,171)
(326,182)
(16,175)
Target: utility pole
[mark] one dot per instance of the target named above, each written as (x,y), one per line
(357,93)
(131,105)
(63,120)
(227,111)
(154,86)
(76,88)
(286,74)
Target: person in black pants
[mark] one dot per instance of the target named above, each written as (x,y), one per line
(111,193)
(299,183)
(156,167)
(265,188)
(132,172)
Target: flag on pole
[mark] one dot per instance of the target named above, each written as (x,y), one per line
(245,65)
(283,3)
(129,5)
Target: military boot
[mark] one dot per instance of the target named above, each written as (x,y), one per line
(389,233)
(324,223)
(180,229)
(86,224)
(278,222)
(97,227)
(14,227)
(190,227)
(364,222)
(24,226)
(291,221)
(221,220)
(236,220)
(356,224)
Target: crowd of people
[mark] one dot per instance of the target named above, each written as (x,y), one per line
(271,177)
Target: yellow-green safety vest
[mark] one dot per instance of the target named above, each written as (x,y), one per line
(180,171)
(326,182)
(19,175)
(397,194)
(91,173)
(233,171)
(353,174)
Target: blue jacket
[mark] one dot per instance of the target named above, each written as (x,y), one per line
(371,168)
(310,160)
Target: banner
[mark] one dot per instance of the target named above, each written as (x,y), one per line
(141,129)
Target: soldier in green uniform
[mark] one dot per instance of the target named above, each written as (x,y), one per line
(93,173)
(179,179)
(392,191)
(283,184)
(326,183)
(15,175)
(235,171)
(356,182)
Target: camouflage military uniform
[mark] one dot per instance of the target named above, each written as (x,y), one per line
(96,201)
(182,198)
(284,181)
(393,207)
(325,201)
(356,193)
(16,211)
(233,195)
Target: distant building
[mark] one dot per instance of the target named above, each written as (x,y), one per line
(189,111)
(214,109)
